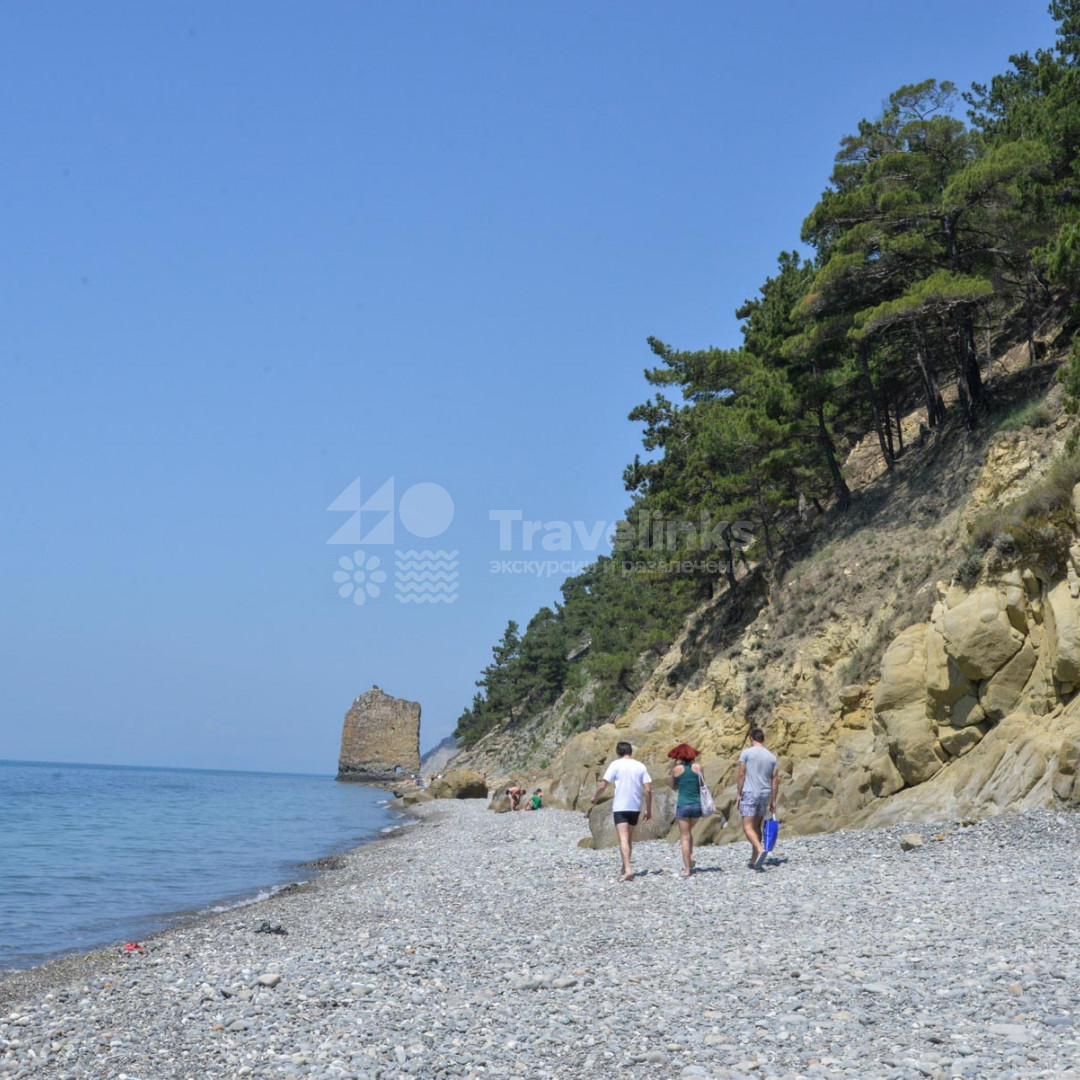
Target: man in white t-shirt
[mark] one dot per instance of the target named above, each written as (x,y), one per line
(632,783)
(757,784)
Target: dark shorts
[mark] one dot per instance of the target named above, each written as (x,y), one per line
(626,817)
(691,810)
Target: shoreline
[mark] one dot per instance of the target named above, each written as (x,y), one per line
(489,946)
(18,983)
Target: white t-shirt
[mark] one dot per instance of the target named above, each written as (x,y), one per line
(760,766)
(629,777)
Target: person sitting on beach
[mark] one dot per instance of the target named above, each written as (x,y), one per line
(686,780)
(536,802)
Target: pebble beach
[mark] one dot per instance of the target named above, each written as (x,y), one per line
(486,945)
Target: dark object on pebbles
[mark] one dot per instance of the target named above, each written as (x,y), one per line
(266,928)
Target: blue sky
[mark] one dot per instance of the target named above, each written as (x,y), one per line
(254,252)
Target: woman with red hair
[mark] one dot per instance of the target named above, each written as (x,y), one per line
(686,780)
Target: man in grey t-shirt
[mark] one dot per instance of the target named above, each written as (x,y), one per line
(757,784)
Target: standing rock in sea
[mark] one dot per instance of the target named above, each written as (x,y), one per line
(380,739)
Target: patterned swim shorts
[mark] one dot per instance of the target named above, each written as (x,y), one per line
(753,804)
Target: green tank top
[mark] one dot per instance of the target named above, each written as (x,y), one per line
(689,787)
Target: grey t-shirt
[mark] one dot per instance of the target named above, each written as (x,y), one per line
(760,766)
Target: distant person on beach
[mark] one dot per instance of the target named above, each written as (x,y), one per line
(537,800)
(686,780)
(515,795)
(632,785)
(757,784)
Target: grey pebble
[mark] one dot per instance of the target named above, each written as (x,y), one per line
(483,945)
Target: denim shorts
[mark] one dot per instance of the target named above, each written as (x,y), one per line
(690,810)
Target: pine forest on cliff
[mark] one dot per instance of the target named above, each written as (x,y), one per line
(948,232)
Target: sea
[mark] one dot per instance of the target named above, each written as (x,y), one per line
(98,854)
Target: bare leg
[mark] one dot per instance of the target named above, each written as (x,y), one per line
(626,847)
(686,838)
(751,826)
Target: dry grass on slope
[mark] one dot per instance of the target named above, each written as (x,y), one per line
(868,574)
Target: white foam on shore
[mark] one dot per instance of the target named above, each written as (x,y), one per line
(247,901)
(406,823)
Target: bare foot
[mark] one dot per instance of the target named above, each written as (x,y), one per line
(629,876)
(687,873)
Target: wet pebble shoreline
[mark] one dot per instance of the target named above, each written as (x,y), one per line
(484,945)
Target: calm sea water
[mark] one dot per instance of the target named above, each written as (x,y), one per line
(94,854)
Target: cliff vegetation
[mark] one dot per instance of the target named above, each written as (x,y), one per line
(827,521)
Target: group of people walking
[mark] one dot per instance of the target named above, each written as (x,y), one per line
(757,783)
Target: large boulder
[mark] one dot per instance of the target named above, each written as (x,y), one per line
(460,784)
(958,740)
(414,798)
(1001,694)
(967,712)
(903,672)
(945,682)
(1061,620)
(602,825)
(978,633)
(885,778)
(580,765)
(900,707)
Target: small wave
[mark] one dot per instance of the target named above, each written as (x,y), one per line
(411,554)
(247,901)
(426,598)
(405,823)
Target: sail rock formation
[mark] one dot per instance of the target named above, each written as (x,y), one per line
(380,739)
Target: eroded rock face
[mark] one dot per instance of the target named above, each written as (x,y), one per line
(978,634)
(380,739)
(975,712)
(900,705)
(460,784)
(1001,694)
(602,824)
(1062,622)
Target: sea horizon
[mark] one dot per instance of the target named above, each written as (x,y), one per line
(162,768)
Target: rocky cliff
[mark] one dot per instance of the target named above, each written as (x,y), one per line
(893,685)
(439,756)
(380,738)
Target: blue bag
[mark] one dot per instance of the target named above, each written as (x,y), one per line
(769,832)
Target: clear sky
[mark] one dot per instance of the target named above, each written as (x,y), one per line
(255,254)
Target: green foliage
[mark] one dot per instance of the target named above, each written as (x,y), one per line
(936,293)
(1035,529)
(969,568)
(615,624)
(1032,414)
(1062,255)
(930,228)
